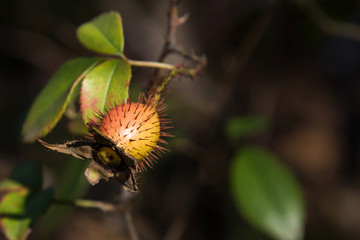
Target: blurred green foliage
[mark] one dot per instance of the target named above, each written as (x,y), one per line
(22,201)
(244,126)
(267,194)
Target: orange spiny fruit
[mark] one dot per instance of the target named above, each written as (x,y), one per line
(136,128)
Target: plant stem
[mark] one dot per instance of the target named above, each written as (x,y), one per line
(84,203)
(173,23)
(151,64)
(165,80)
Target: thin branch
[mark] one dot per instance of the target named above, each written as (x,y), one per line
(124,207)
(328,24)
(150,64)
(190,56)
(158,83)
(84,203)
(139,63)
(159,89)
(173,23)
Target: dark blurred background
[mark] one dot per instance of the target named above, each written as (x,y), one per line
(273,58)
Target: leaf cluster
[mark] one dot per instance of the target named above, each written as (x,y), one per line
(23,201)
(264,190)
(94,80)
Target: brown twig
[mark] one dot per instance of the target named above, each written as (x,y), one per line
(160,87)
(159,82)
(123,208)
(174,21)
(190,56)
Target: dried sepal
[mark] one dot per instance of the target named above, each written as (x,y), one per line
(77,148)
(128,180)
(124,171)
(94,172)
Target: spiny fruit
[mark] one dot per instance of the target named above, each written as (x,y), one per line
(136,128)
(121,142)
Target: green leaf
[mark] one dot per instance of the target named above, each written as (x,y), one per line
(239,127)
(105,84)
(21,201)
(267,194)
(13,222)
(72,185)
(28,174)
(51,103)
(103,34)
(38,204)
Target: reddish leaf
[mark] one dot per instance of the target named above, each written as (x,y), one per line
(105,84)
